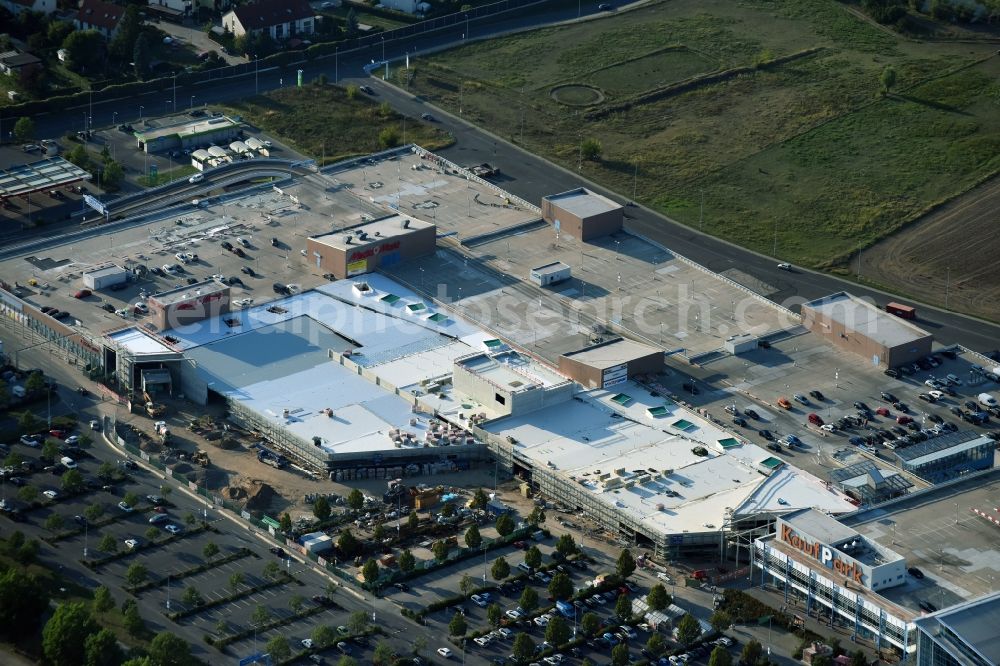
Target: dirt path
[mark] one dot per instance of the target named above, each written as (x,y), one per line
(951,251)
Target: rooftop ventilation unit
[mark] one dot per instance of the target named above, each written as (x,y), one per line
(406,223)
(348,239)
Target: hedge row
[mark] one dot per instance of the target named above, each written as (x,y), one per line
(221,643)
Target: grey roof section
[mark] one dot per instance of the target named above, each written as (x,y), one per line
(862,317)
(188,128)
(45,174)
(819,526)
(548,269)
(870,482)
(974,623)
(611,353)
(965,439)
(382,230)
(583,203)
(113,269)
(203,288)
(269,353)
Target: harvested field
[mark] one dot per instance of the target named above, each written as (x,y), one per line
(952,250)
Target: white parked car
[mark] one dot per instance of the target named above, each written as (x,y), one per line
(197,178)
(444,652)
(51,494)
(307,643)
(482,641)
(125,507)
(173,529)
(131,543)
(514,614)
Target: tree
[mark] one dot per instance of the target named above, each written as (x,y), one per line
(888,79)
(407,561)
(278,647)
(28,494)
(457,626)
(129,28)
(448,510)
(321,508)
(139,661)
(13,459)
(324,636)
(24,130)
(524,648)
(106,472)
(210,550)
(859,658)
(818,660)
(720,621)
(590,623)
(625,565)
(27,422)
(557,631)
(285,524)
(85,51)
(440,550)
(655,644)
(152,533)
(192,597)
(370,571)
(296,603)
(473,539)
(271,570)
(131,499)
(351,91)
(190,519)
(22,602)
(383,654)
(113,176)
(413,520)
(378,534)
(479,500)
(132,621)
(103,601)
(536,517)
(54,522)
(565,545)
(466,584)
(221,627)
(561,587)
(136,574)
(357,622)
(720,657)
(348,544)
(101,649)
(494,615)
(752,653)
(504,525)
(355,500)
(108,544)
(346,661)
(623,608)
(50,449)
(419,643)
(260,615)
(533,557)
(658,599)
(72,482)
(500,569)
(529,599)
(93,511)
(688,629)
(141,56)
(235,581)
(590,149)
(65,634)
(166,649)
(619,655)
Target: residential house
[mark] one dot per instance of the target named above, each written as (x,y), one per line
(17,6)
(103,17)
(281,19)
(170,8)
(21,65)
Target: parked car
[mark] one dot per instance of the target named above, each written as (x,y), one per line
(801,399)
(82,293)
(815,419)
(817,395)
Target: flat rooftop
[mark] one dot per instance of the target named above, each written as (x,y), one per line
(106,270)
(46,174)
(606,430)
(612,353)
(187,128)
(974,624)
(178,294)
(140,342)
(583,203)
(830,531)
(937,531)
(512,370)
(548,269)
(386,228)
(859,315)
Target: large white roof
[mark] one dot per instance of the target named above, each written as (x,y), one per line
(139,342)
(594,435)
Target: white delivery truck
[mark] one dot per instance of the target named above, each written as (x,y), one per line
(987,400)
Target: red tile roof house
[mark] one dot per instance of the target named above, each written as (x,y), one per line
(281,19)
(103,17)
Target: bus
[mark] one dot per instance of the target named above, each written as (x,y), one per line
(902,311)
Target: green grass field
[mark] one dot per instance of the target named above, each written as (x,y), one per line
(323,120)
(808,146)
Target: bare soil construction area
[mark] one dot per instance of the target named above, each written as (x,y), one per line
(949,254)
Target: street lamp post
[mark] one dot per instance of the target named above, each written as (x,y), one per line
(256,68)
(191,105)
(141,107)
(114,118)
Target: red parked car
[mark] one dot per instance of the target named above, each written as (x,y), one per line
(883,411)
(83,293)
(58,434)
(903,420)
(815,419)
